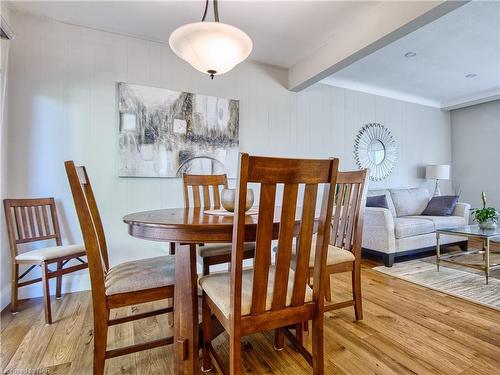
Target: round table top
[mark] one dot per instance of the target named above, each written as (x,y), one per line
(183,217)
(191,225)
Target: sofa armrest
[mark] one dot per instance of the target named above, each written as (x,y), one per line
(463,210)
(378,230)
(377,216)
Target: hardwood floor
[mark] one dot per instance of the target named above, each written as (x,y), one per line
(407,329)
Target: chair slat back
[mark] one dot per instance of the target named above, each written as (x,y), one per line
(31,220)
(350,198)
(292,174)
(205,190)
(91,226)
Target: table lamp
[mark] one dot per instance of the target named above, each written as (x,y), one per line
(437,172)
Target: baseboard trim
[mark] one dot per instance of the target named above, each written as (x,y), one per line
(5,309)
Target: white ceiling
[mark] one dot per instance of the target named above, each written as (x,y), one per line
(465,41)
(301,35)
(283,32)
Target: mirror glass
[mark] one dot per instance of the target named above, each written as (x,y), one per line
(376,151)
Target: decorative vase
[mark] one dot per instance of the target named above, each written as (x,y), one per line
(488,224)
(228,197)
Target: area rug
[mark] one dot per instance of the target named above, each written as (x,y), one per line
(458,281)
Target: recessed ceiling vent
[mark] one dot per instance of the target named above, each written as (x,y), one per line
(5,31)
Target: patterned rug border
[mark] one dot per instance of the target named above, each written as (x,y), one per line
(386,271)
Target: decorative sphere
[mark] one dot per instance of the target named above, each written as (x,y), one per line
(228,198)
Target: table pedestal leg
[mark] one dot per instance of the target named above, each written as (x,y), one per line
(186,311)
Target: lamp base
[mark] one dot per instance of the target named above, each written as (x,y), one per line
(437,191)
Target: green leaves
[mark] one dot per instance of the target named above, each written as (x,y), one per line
(485,214)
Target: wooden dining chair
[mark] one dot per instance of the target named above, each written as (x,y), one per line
(125,284)
(344,251)
(246,301)
(209,198)
(35,220)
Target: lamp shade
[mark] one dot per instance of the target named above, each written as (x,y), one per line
(211,47)
(437,172)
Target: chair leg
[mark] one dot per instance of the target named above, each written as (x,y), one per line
(100,343)
(309,282)
(207,334)
(170,301)
(317,344)
(328,290)
(299,332)
(59,280)
(356,291)
(46,293)
(279,340)
(14,288)
(234,354)
(206,267)
(170,316)
(172,248)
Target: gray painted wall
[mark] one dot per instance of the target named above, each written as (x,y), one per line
(62,105)
(475,134)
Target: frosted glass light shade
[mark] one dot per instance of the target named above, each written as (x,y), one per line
(211,47)
(437,172)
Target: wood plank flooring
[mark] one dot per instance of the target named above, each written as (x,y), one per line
(407,329)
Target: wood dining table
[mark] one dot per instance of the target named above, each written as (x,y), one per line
(187,227)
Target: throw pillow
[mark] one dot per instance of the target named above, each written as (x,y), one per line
(441,206)
(377,201)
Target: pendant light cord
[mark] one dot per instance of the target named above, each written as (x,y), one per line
(216,11)
(205,12)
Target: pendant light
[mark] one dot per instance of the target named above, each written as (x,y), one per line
(211,47)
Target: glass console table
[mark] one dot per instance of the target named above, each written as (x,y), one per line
(470,231)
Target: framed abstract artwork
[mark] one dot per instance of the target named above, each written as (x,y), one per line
(165,133)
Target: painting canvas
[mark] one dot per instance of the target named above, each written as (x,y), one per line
(166,133)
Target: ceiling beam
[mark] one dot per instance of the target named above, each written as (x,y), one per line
(365,34)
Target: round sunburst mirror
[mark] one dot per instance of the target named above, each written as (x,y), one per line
(375,149)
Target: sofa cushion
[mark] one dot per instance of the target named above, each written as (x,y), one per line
(441,206)
(377,201)
(443,222)
(409,202)
(412,226)
(374,193)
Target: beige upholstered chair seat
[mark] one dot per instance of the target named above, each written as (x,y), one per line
(214,249)
(47,253)
(141,274)
(336,255)
(217,287)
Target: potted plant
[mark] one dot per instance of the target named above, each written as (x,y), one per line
(487,217)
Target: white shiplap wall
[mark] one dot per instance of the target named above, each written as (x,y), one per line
(63,106)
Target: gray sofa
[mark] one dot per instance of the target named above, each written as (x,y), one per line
(401,230)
